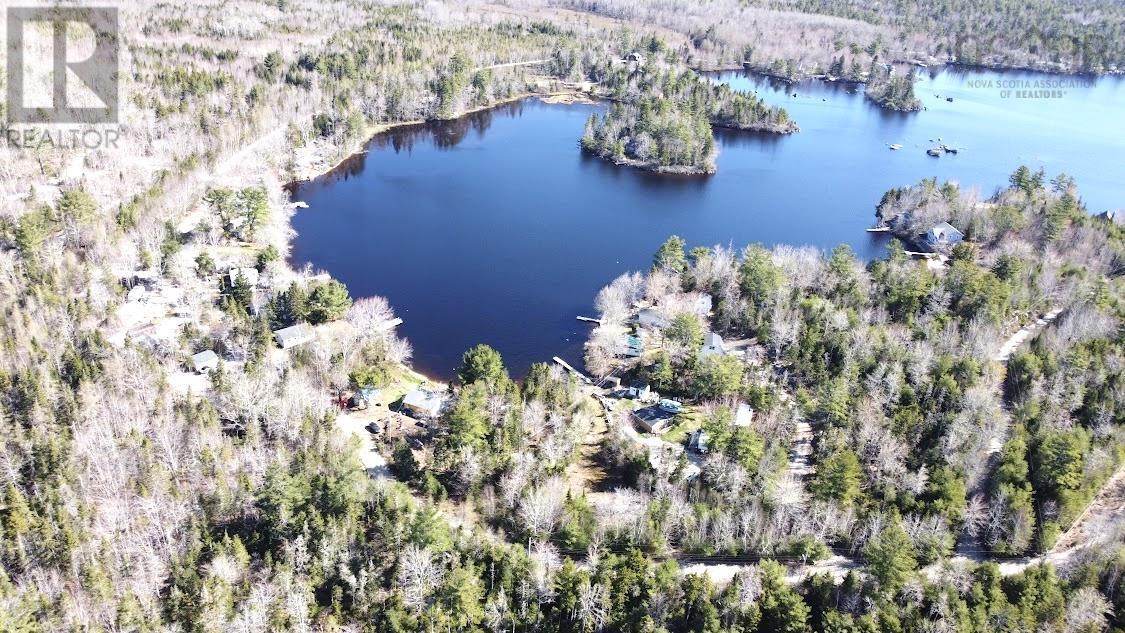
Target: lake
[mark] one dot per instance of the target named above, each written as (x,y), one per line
(496,229)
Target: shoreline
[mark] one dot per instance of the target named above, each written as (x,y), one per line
(563,97)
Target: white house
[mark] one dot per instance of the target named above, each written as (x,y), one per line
(713,345)
(424,402)
(204,361)
(293,335)
(943,235)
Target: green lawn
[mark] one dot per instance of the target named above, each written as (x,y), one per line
(685,424)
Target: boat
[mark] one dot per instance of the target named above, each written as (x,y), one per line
(895,146)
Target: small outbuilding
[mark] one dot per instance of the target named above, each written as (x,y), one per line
(943,235)
(294,335)
(424,402)
(205,361)
(697,442)
(635,57)
(638,391)
(744,415)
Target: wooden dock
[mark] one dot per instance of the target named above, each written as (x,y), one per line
(879,229)
(565,365)
(589,319)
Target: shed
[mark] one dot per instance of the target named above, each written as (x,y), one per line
(713,345)
(653,419)
(943,235)
(364,398)
(204,361)
(744,415)
(424,402)
(638,391)
(293,335)
(635,57)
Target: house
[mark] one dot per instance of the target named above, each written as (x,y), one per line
(653,419)
(697,442)
(630,346)
(424,402)
(1113,216)
(713,345)
(248,274)
(651,318)
(293,335)
(943,236)
(635,57)
(744,415)
(204,361)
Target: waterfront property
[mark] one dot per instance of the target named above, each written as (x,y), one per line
(943,236)
(424,402)
(430,224)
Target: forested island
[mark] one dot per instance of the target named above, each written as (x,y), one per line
(892,91)
(662,119)
(654,134)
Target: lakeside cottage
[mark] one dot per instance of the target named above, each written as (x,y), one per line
(205,361)
(293,336)
(943,235)
(424,402)
(653,419)
(630,346)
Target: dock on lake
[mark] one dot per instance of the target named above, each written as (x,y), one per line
(566,366)
(589,319)
(879,229)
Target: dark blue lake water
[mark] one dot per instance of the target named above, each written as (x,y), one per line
(496,229)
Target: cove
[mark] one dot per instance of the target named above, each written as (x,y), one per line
(494,228)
